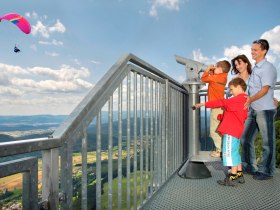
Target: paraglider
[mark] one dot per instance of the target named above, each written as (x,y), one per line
(18,20)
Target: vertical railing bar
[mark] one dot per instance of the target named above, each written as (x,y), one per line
(141,139)
(173,139)
(84,170)
(161,138)
(120,147)
(30,187)
(163,124)
(159,133)
(98,161)
(157,165)
(110,154)
(178,128)
(135,142)
(147,135)
(152,137)
(172,133)
(166,127)
(66,174)
(128,194)
(181,128)
(175,129)
(50,176)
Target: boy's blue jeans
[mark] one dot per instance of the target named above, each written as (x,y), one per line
(262,121)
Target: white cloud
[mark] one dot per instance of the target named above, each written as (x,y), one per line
(272,36)
(168,4)
(29,90)
(64,73)
(233,51)
(9,91)
(45,31)
(46,85)
(53,42)
(198,56)
(64,79)
(273,55)
(57,27)
(6,69)
(39,28)
(94,62)
(32,15)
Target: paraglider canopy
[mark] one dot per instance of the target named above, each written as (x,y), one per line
(18,20)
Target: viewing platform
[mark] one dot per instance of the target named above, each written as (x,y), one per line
(179,193)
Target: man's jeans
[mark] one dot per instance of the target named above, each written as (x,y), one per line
(262,121)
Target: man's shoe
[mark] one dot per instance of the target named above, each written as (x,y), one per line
(229,181)
(261,176)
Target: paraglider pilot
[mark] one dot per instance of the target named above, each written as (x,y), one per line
(16,50)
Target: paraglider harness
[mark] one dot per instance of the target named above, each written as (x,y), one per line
(16,50)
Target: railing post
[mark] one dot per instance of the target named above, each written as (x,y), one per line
(50,176)
(29,168)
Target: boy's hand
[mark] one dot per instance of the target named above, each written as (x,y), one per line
(210,68)
(197,106)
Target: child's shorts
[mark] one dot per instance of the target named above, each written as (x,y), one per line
(231,155)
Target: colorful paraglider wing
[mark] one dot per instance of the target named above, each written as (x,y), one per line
(18,20)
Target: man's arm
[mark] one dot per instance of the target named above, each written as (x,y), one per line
(257,96)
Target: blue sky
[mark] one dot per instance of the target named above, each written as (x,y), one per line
(73,43)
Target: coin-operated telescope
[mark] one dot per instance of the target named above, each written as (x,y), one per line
(193,68)
(194,167)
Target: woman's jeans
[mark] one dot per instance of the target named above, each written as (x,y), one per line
(262,121)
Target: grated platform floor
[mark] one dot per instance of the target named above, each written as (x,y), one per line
(182,194)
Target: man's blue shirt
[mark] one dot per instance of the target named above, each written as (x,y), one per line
(263,74)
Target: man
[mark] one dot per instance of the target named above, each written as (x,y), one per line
(261,114)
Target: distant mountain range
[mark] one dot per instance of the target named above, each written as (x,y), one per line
(32,122)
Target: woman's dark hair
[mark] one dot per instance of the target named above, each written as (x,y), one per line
(238,59)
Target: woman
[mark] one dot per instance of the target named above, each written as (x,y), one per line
(241,67)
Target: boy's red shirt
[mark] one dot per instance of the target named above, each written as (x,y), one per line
(234,114)
(216,87)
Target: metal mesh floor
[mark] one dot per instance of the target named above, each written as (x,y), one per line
(179,193)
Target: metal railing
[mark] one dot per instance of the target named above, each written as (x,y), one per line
(135,116)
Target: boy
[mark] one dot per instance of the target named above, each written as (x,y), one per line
(231,127)
(216,77)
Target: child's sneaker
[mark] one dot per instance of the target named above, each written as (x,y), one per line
(231,180)
(240,178)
